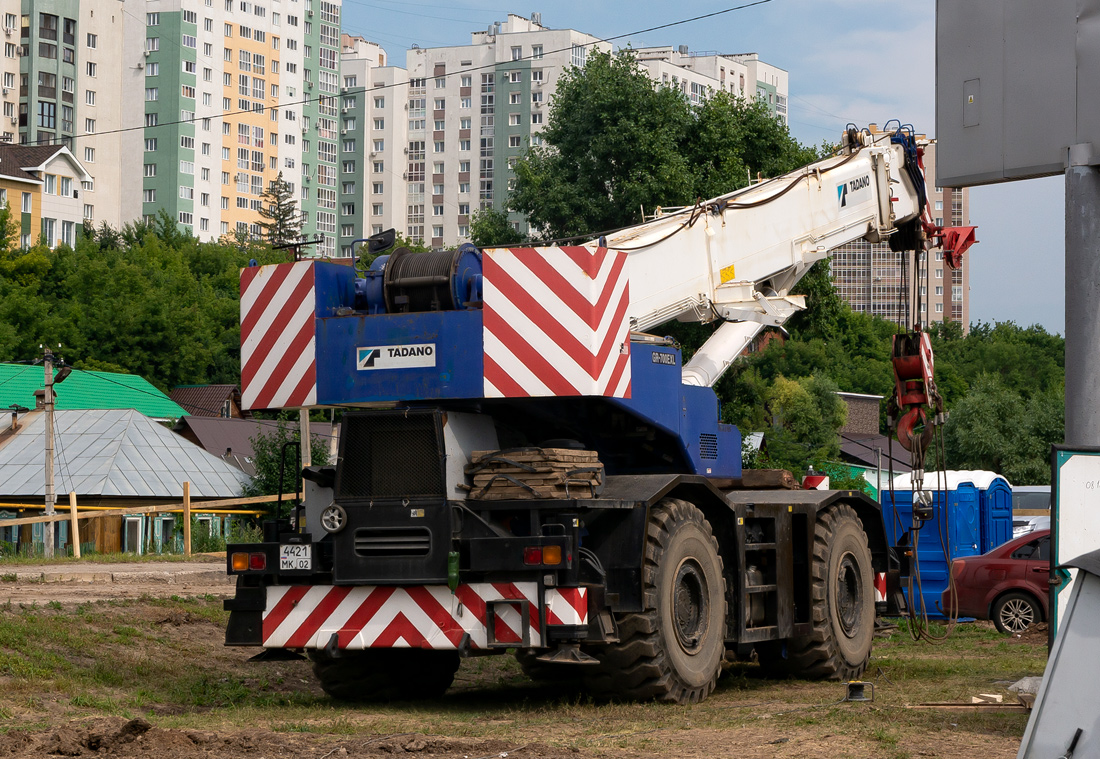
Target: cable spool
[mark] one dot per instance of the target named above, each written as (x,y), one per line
(442,280)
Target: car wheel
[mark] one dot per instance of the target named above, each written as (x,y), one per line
(1015,612)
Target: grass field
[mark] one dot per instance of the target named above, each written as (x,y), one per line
(162,660)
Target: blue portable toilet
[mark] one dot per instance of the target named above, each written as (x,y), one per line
(972,514)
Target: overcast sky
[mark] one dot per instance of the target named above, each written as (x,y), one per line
(849,61)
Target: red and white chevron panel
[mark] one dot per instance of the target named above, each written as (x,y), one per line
(430,616)
(555,322)
(278,361)
(880,587)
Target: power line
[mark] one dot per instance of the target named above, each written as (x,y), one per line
(363,90)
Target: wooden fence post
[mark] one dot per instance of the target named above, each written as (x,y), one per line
(186,518)
(74,529)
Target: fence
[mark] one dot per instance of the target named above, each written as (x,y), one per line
(184,507)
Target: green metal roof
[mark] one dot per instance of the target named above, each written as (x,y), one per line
(86,390)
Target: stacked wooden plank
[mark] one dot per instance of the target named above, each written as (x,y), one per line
(524,473)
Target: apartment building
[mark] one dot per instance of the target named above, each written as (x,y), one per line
(698,74)
(472,110)
(373,93)
(875,280)
(236,93)
(65,69)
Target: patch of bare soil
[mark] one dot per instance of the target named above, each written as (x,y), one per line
(116,737)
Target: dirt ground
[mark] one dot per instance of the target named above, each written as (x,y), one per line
(272,710)
(83,582)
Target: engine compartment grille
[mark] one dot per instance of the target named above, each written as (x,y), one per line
(390,455)
(391,542)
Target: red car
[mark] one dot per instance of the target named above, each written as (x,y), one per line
(1007,584)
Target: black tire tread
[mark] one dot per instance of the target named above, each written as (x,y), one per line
(385,674)
(816,656)
(637,668)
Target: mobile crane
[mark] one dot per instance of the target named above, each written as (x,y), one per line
(605,534)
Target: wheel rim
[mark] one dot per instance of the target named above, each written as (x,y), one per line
(849,595)
(690,605)
(1017,615)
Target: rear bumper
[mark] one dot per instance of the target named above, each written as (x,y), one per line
(477,616)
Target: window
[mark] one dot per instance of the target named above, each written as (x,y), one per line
(513,141)
(514,98)
(536,118)
(463,209)
(536,52)
(536,97)
(89,155)
(379,124)
(464,103)
(939,289)
(150,169)
(152,69)
(437,210)
(89,97)
(440,104)
(514,76)
(939,308)
(464,145)
(438,146)
(376,188)
(376,209)
(187,142)
(939,273)
(149,196)
(536,75)
(151,93)
(437,189)
(189,41)
(26,207)
(151,143)
(90,68)
(49,229)
(89,126)
(513,119)
(152,44)
(464,187)
(464,123)
(51,184)
(152,19)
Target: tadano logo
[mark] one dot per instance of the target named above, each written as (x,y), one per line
(395,356)
(853,191)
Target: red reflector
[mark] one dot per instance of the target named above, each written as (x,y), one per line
(257,561)
(532,555)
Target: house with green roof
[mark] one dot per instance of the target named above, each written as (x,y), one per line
(86,390)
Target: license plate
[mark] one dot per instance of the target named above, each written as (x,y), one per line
(296,556)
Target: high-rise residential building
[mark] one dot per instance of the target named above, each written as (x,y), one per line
(236,93)
(68,71)
(698,74)
(472,110)
(875,280)
(371,92)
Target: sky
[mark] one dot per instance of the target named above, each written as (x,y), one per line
(848,61)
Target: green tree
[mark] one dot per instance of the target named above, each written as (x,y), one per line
(995,428)
(616,142)
(807,415)
(490,228)
(282,223)
(612,147)
(267,448)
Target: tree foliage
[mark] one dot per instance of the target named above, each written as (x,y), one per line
(617,142)
(267,448)
(147,299)
(806,414)
(282,222)
(490,228)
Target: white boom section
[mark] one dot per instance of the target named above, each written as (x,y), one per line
(737,256)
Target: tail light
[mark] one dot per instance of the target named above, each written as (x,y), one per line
(957,567)
(242,561)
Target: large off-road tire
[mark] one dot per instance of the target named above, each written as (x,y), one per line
(843,600)
(1015,612)
(392,674)
(671,651)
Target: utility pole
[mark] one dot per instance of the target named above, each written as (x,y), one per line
(50,495)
